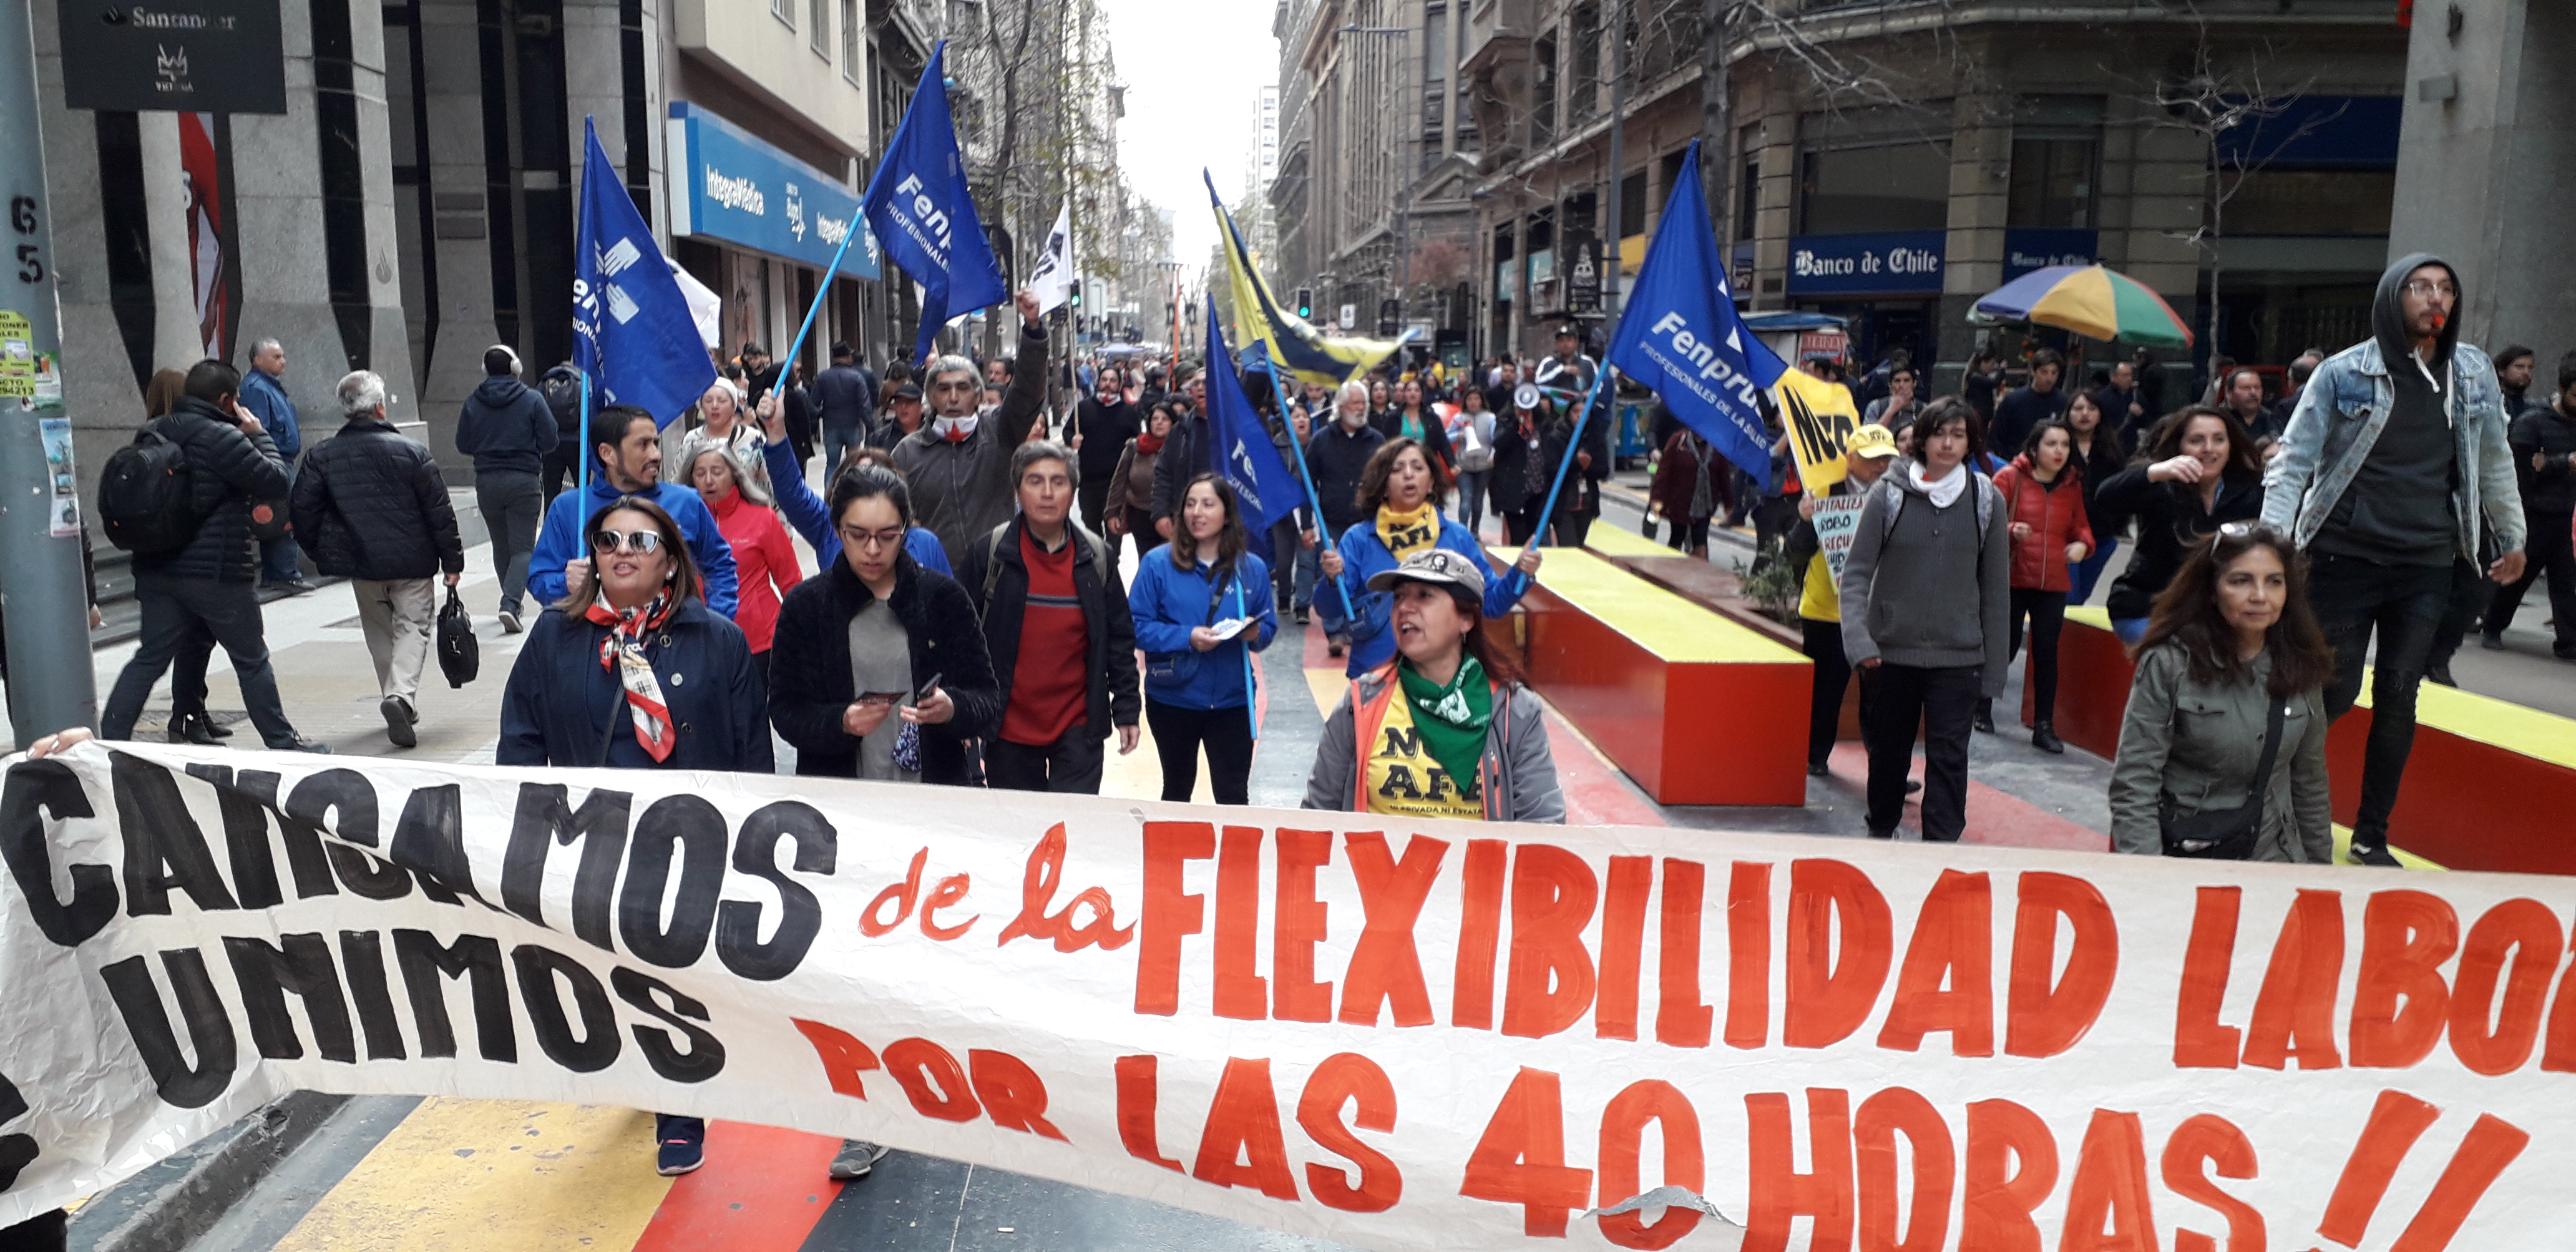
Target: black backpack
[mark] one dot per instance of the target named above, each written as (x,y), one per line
(147,495)
(562,390)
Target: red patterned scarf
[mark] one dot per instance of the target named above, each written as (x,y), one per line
(621,652)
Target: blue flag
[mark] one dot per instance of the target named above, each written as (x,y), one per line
(919,207)
(1243,452)
(633,335)
(1680,335)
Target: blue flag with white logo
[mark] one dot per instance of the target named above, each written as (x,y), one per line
(1244,454)
(1680,335)
(921,211)
(633,333)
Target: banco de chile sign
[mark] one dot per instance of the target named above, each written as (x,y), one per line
(1890,263)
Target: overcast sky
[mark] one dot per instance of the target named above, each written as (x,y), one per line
(1193,70)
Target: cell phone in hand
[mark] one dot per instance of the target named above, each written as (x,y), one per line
(927,688)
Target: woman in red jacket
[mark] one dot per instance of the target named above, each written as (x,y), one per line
(764,558)
(2044,495)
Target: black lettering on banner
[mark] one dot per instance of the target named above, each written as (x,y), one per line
(210,1029)
(546,820)
(696,830)
(304,856)
(800,915)
(17,1152)
(245,839)
(164,849)
(35,790)
(301,964)
(595,1048)
(344,802)
(430,842)
(705,1057)
(474,958)
(362,961)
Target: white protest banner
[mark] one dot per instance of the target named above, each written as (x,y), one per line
(1395,1035)
(1837,521)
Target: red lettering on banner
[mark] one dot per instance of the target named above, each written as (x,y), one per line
(1553,892)
(1953,941)
(1520,1159)
(2399,1003)
(1828,998)
(902,895)
(2211,1140)
(1240,990)
(842,1054)
(2491,1145)
(933,1079)
(950,891)
(1748,955)
(1136,1101)
(1623,945)
(2397,1120)
(1623,1133)
(2494,1038)
(2012,1168)
(1299,926)
(2107,1208)
(1882,1117)
(1386,967)
(2045,1020)
(1013,1094)
(1170,913)
(1682,1019)
(1242,1145)
(1480,934)
(2201,1041)
(1343,1078)
(1038,881)
(1777,1193)
(2294,1014)
(2560,1057)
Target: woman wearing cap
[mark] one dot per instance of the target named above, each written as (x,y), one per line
(1444,728)
(1198,683)
(764,560)
(723,407)
(1820,615)
(1398,498)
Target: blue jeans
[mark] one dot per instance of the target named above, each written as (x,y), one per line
(176,610)
(837,441)
(2088,571)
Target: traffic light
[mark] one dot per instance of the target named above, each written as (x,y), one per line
(1305,303)
(1077,295)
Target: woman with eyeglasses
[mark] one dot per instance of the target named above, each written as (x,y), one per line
(2199,470)
(638,673)
(2223,749)
(764,561)
(807,512)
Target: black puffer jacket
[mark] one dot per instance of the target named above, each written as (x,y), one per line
(809,668)
(227,471)
(370,504)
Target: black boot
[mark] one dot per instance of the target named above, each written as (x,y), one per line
(2044,737)
(1986,716)
(196,728)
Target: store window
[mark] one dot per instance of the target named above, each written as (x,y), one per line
(850,40)
(1875,169)
(818,28)
(2056,163)
(785,11)
(1543,91)
(2311,202)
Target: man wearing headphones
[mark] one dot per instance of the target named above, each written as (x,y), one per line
(508,430)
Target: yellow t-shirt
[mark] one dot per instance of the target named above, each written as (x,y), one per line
(1405,780)
(1822,601)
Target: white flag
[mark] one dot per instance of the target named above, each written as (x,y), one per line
(1052,280)
(706,308)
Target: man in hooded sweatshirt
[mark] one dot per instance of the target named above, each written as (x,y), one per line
(509,430)
(2396,451)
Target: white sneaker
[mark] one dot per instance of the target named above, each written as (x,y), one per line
(509,622)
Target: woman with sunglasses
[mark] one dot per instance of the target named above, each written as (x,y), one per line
(638,674)
(2199,470)
(2223,749)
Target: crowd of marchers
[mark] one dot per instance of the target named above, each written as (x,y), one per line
(971,621)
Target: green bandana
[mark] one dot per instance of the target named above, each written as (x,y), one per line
(1452,719)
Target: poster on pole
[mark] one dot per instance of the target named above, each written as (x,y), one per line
(1389,1033)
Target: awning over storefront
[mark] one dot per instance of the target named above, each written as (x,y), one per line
(730,186)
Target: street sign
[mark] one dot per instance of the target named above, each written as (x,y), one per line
(1583,273)
(208,56)
(1824,345)
(1350,316)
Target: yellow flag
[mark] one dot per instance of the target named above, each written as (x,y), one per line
(1821,419)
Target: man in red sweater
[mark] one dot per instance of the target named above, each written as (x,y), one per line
(1061,638)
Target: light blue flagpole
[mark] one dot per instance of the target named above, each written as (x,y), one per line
(1323,529)
(789,360)
(1251,690)
(1547,516)
(586,453)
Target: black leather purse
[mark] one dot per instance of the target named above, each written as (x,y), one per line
(2226,834)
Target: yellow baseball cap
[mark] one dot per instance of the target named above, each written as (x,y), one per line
(1871,441)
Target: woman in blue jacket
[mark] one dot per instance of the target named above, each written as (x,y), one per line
(1198,686)
(805,511)
(1399,495)
(632,670)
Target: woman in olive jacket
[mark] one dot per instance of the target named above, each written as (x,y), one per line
(2231,635)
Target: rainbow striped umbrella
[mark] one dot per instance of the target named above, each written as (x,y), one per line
(2090,301)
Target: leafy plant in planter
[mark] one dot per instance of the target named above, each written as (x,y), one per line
(1771,586)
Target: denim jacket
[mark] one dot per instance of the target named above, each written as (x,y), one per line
(2339,417)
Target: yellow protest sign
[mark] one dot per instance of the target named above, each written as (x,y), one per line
(1821,418)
